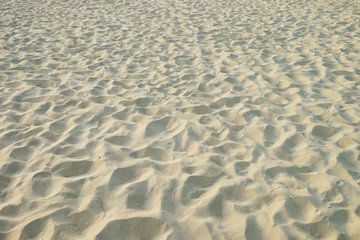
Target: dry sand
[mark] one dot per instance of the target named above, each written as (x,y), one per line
(177,119)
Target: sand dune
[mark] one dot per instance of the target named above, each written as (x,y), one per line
(180,119)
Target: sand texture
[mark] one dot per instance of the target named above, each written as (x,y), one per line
(178,119)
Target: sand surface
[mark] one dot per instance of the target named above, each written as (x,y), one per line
(137,119)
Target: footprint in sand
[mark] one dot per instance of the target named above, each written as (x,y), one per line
(72,168)
(132,228)
(323,132)
(41,184)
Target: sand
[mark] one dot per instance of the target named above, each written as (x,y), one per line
(180,119)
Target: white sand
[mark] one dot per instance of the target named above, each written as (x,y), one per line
(177,119)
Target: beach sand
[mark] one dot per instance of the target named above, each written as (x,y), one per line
(180,119)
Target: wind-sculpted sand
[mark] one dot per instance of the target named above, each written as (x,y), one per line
(180,119)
